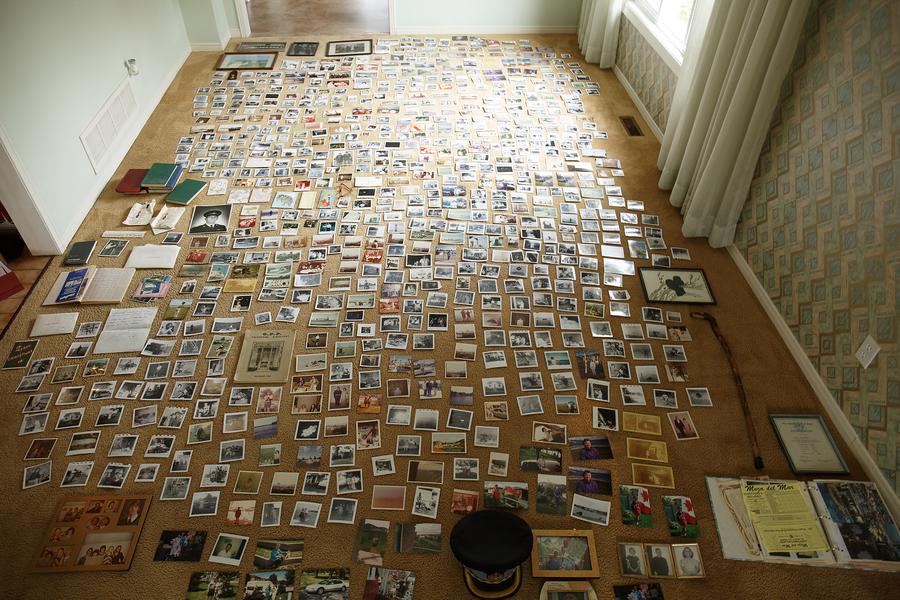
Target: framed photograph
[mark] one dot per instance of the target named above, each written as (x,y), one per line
(808,444)
(348,48)
(631,560)
(92,533)
(688,564)
(567,590)
(260,46)
(676,286)
(240,61)
(659,560)
(564,553)
(303,49)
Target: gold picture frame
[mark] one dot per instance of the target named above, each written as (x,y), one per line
(546,560)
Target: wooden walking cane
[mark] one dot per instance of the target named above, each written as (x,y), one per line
(742,395)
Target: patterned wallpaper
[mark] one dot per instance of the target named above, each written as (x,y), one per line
(647,73)
(821,227)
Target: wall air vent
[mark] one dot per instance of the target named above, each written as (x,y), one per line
(108,124)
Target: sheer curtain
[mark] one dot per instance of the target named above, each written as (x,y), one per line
(722,107)
(598,30)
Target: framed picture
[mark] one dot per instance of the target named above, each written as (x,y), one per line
(349,48)
(631,560)
(92,533)
(808,444)
(564,553)
(659,560)
(261,46)
(688,564)
(567,590)
(241,61)
(676,286)
(303,49)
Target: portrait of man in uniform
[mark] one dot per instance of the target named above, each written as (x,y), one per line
(210,219)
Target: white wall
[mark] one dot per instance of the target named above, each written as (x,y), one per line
(486,16)
(231,15)
(206,22)
(59,62)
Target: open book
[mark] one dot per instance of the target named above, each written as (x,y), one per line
(824,522)
(90,285)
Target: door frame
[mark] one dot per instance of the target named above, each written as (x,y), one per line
(243,17)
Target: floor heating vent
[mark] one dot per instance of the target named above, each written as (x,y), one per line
(108,124)
(631,126)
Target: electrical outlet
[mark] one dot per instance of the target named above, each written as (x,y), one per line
(867,351)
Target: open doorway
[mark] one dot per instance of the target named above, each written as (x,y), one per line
(272,18)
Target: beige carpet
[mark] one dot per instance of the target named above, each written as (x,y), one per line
(773,382)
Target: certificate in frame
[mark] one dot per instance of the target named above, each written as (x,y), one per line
(808,444)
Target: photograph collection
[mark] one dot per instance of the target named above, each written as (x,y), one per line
(412,287)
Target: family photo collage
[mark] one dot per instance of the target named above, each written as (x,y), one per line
(411,287)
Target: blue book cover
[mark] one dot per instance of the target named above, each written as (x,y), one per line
(75,280)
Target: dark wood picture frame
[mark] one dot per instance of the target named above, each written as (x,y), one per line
(669,290)
(220,66)
(261,47)
(295,47)
(817,419)
(330,45)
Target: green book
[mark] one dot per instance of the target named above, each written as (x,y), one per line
(158,175)
(185,191)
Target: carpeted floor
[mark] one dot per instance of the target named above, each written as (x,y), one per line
(773,383)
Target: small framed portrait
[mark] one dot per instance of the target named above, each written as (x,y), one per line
(659,560)
(631,560)
(564,553)
(348,48)
(676,286)
(241,61)
(687,561)
(303,49)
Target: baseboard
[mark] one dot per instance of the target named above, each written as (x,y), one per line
(637,102)
(845,429)
(208,47)
(120,150)
(484,30)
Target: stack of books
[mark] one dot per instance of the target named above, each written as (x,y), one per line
(161,177)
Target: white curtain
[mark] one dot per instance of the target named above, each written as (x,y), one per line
(598,30)
(721,110)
